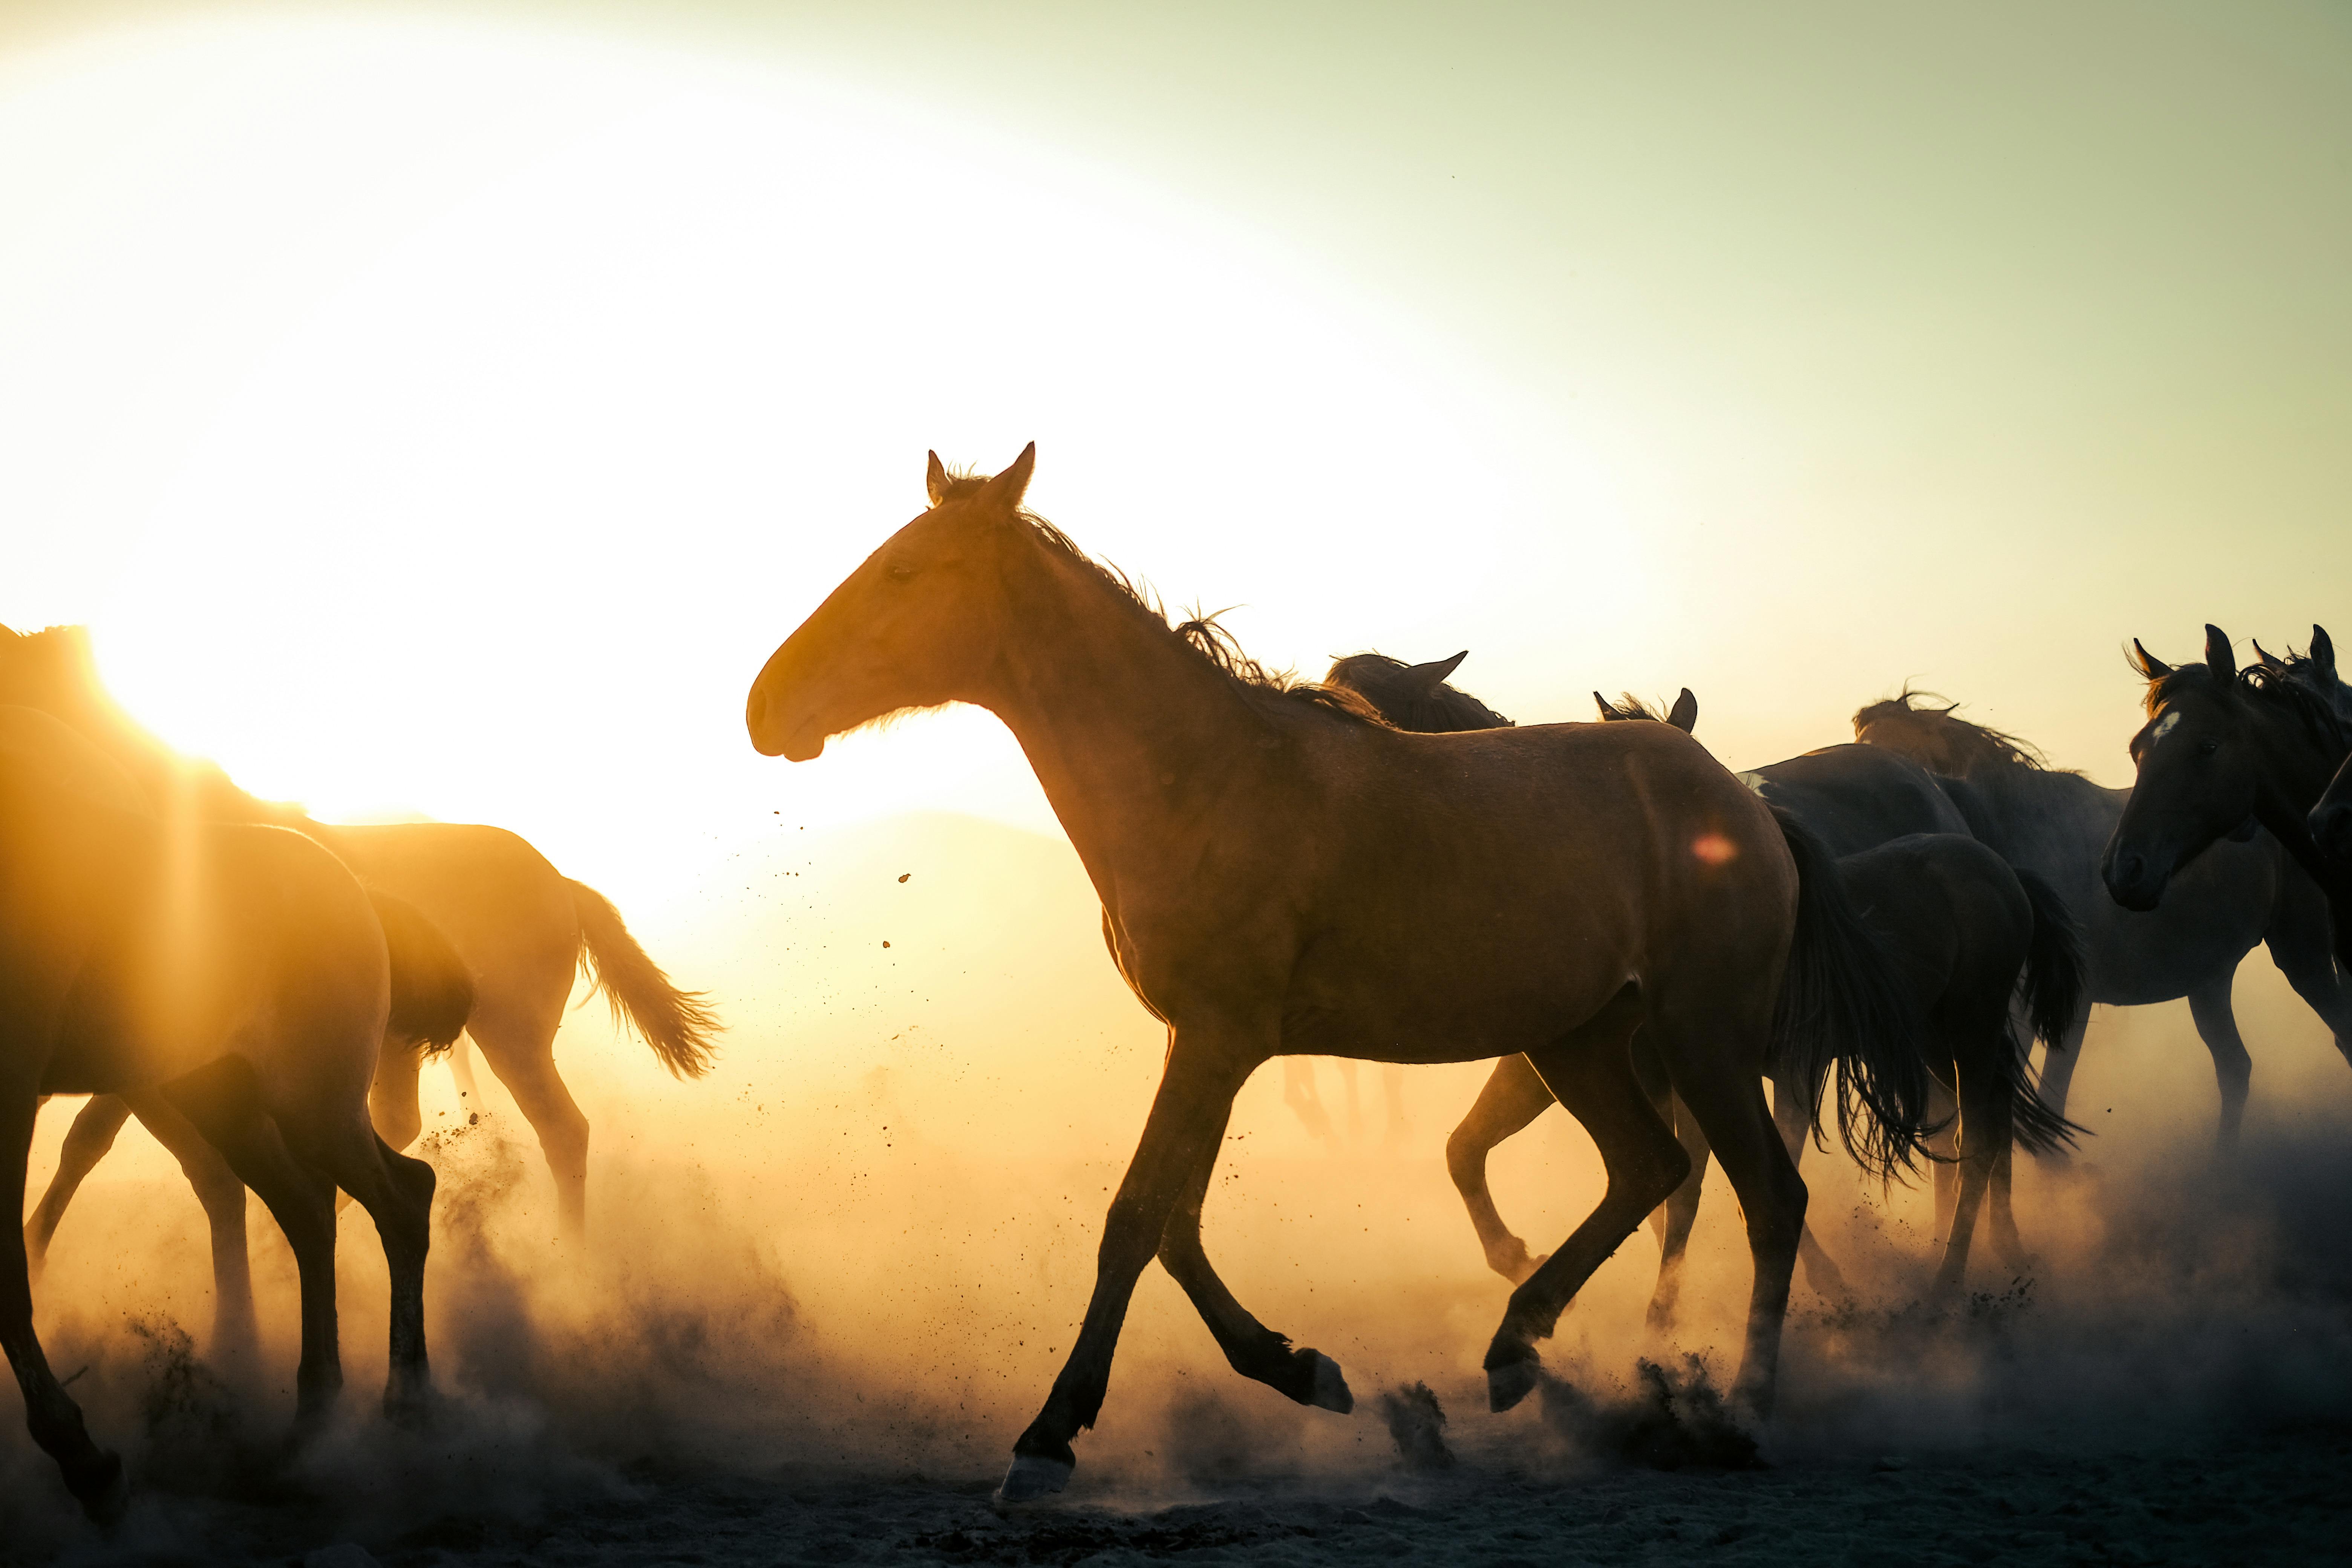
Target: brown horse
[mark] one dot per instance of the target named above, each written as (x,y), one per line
(2223,751)
(1960,923)
(230,979)
(1281,872)
(523,929)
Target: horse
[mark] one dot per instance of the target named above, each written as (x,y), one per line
(1961,923)
(1306,1102)
(522,928)
(431,994)
(1283,873)
(2057,824)
(229,978)
(2223,751)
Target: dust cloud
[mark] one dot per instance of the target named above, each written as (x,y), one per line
(841,1271)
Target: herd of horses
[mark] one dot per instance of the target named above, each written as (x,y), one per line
(1373,866)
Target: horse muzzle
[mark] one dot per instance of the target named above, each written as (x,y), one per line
(2133,880)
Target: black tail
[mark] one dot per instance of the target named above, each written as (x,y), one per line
(2052,982)
(432,993)
(1843,1004)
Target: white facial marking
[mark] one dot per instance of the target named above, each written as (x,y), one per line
(2164,726)
(1753,781)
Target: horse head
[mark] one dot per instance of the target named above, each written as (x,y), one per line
(910,628)
(2200,772)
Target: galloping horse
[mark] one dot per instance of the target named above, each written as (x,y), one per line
(1281,872)
(1961,924)
(522,928)
(233,978)
(2221,751)
(431,994)
(2057,826)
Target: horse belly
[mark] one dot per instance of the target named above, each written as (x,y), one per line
(1494,998)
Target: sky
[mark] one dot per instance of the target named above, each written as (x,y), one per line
(446,409)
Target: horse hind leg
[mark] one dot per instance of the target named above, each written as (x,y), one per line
(521,1050)
(236,1336)
(1513,1097)
(224,1102)
(397,1192)
(1793,1118)
(87,1140)
(1306,1376)
(1591,1071)
(55,1421)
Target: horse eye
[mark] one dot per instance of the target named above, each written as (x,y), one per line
(2207,748)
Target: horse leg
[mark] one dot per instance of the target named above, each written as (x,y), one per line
(2057,1077)
(1514,1096)
(1591,1071)
(1793,1118)
(521,1048)
(2005,1240)
(461,1073)
(1298,1093)
(1204,1069)
(397,1192)
(1717,1081)
(92,1475)
(1983,1143)
(1943,1146)
(236,1336)
(1307,1376)
(224,1100)
(87,1142)
(1676,1216)
(2216,1025)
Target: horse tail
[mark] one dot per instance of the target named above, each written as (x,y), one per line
(432,992)
(1843,1006)
(678,1024)
(2052,982)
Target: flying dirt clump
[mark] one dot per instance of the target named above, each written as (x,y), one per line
(1417,1423)
(1669,1422)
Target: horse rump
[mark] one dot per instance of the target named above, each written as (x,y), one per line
(1843,1006)
(432,992)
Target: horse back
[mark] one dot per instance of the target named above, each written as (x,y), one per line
(1852,797)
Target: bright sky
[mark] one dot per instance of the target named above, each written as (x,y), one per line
(447,408)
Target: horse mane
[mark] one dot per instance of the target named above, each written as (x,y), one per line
(1967,743)
(1627,706)
(1375,678)
(159,769)
(1197,634)
(2285,690)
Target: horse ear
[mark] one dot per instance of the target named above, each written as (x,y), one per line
(935,480)
(2266,658)
(1684,714)
(2218,657)
(1606,713)
(1428,677)
(2150,667)
(1005,490)
(2322,652)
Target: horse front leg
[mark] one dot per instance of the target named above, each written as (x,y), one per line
(92,1475)
(1306,1376)
(1514,1096)
(1205,1068)
(2233,1070)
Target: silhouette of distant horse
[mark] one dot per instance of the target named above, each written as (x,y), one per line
(523,930)
(2057,824)
(2223,749)
(1282,872)
(1960,923)
(232,981)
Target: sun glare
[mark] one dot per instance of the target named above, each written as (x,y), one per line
(490,510)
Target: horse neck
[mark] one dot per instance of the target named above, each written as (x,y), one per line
(175,785)
(1133,735)
(2294,770)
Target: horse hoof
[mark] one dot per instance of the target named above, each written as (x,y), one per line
(1033,1476)
(102,1489)
(410,1406)
(1509,1383)
(1330,1389)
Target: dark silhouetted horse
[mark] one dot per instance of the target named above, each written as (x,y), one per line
(2057,824)
(1281,873)
(2223,751)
